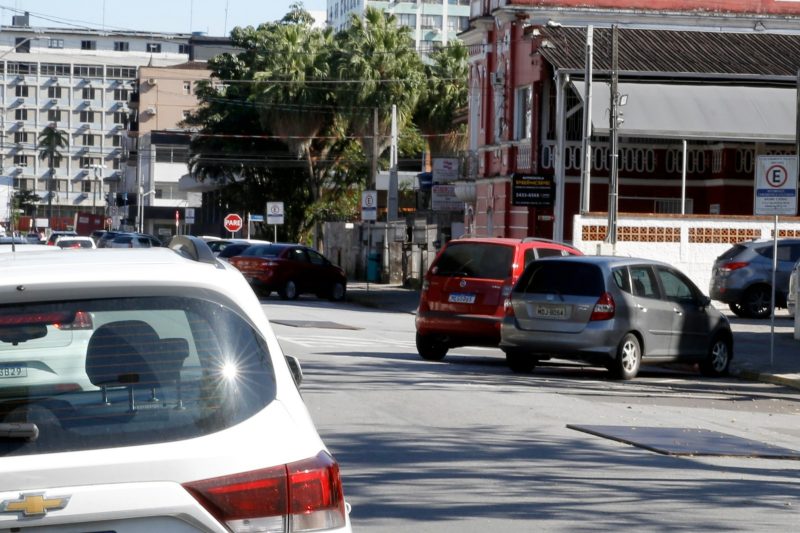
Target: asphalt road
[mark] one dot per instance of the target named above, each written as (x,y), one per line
(465,445)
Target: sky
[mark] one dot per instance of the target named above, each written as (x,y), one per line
(215,17)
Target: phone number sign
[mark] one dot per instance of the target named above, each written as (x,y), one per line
(532,191)
(776,186)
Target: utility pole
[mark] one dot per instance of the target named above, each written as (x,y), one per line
(586,168)
(613,186)
(392,200)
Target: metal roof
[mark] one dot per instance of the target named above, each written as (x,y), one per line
(676,53)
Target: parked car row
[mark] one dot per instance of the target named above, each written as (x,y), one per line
(538,299)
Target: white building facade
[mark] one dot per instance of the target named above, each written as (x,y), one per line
(80,81)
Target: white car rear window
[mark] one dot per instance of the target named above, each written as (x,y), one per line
(103,373)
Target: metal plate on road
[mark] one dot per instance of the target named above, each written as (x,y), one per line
(688,441)
(313,324)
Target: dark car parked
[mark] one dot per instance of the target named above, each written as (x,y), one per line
(615,312)
(290,269)
(742,276)
(134,240)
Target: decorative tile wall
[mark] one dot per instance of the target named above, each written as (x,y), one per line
(723,235)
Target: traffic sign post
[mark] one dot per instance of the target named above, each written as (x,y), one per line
(232,223)
(775,194)
(275,216)
(369,206)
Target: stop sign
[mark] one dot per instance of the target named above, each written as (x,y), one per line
(233,222)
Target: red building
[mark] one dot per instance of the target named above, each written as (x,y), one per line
(704,86)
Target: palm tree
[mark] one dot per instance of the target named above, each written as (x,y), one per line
(380,54)
(51,140)
(445,96)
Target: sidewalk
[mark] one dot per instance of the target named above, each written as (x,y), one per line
(751,338)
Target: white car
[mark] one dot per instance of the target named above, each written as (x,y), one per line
(189,416)
(75,241)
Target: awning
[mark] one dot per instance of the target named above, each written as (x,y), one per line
(708,112)
(188,183)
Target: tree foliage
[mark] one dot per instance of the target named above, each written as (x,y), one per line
(51,141)
(289,116)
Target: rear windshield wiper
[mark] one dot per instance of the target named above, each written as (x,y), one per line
(18,431)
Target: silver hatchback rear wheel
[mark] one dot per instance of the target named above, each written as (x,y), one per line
(629,357)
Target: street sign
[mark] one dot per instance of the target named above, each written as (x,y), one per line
(445,169)
(256,218)
(232,222)
(776,185)
(369,205)
(443,198)
(189,215)
(274,212)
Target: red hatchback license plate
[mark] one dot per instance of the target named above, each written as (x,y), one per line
(461,298)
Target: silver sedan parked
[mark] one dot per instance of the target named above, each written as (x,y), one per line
(615,312)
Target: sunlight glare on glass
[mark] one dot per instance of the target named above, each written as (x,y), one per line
(230,371)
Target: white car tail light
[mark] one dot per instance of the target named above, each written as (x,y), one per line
(302,496)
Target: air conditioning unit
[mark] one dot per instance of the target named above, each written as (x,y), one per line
(150,110)
(54,78)
(20,123)
(152,81)
(53,101)
(85,126)
(87,102)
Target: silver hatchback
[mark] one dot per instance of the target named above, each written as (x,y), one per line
(615,312)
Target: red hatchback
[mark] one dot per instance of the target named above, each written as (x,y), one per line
(462,297)
(290,269)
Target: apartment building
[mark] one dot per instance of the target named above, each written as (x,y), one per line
(79,80)
(433,23)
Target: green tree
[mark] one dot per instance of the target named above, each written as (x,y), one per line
(51,141)
(379,54)
(445,96)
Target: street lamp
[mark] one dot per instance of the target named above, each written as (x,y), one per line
(140,205)
(96,169)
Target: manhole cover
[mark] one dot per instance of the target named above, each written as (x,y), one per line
(688,441)
(313,324)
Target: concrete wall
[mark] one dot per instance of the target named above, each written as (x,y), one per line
(690,243)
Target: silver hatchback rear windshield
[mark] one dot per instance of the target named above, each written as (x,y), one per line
(87,374)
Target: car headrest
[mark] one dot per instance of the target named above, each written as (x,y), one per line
(117,354)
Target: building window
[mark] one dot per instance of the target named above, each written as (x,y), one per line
(186,114)
(21,114)
(429,22)
(23,184)
(115,163)
(86,185)
(87,116)
(21,90)
(523,120)
(55,69)
(184,49)
(22,45)
(121,46)
(154,48)
(88,45)
(89,140)
(13,67)
(121,95)
(61,185)
(187,87)
(120,117)
(54,92)
(121,73)
(55,43)
(88,71)
(88,93)
(407,19)
(54,115)
(88,162)
(21,160)
(20,137)
(116,140)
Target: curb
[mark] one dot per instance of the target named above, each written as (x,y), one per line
(775,379)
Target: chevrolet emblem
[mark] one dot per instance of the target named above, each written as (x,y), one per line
(34,504)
